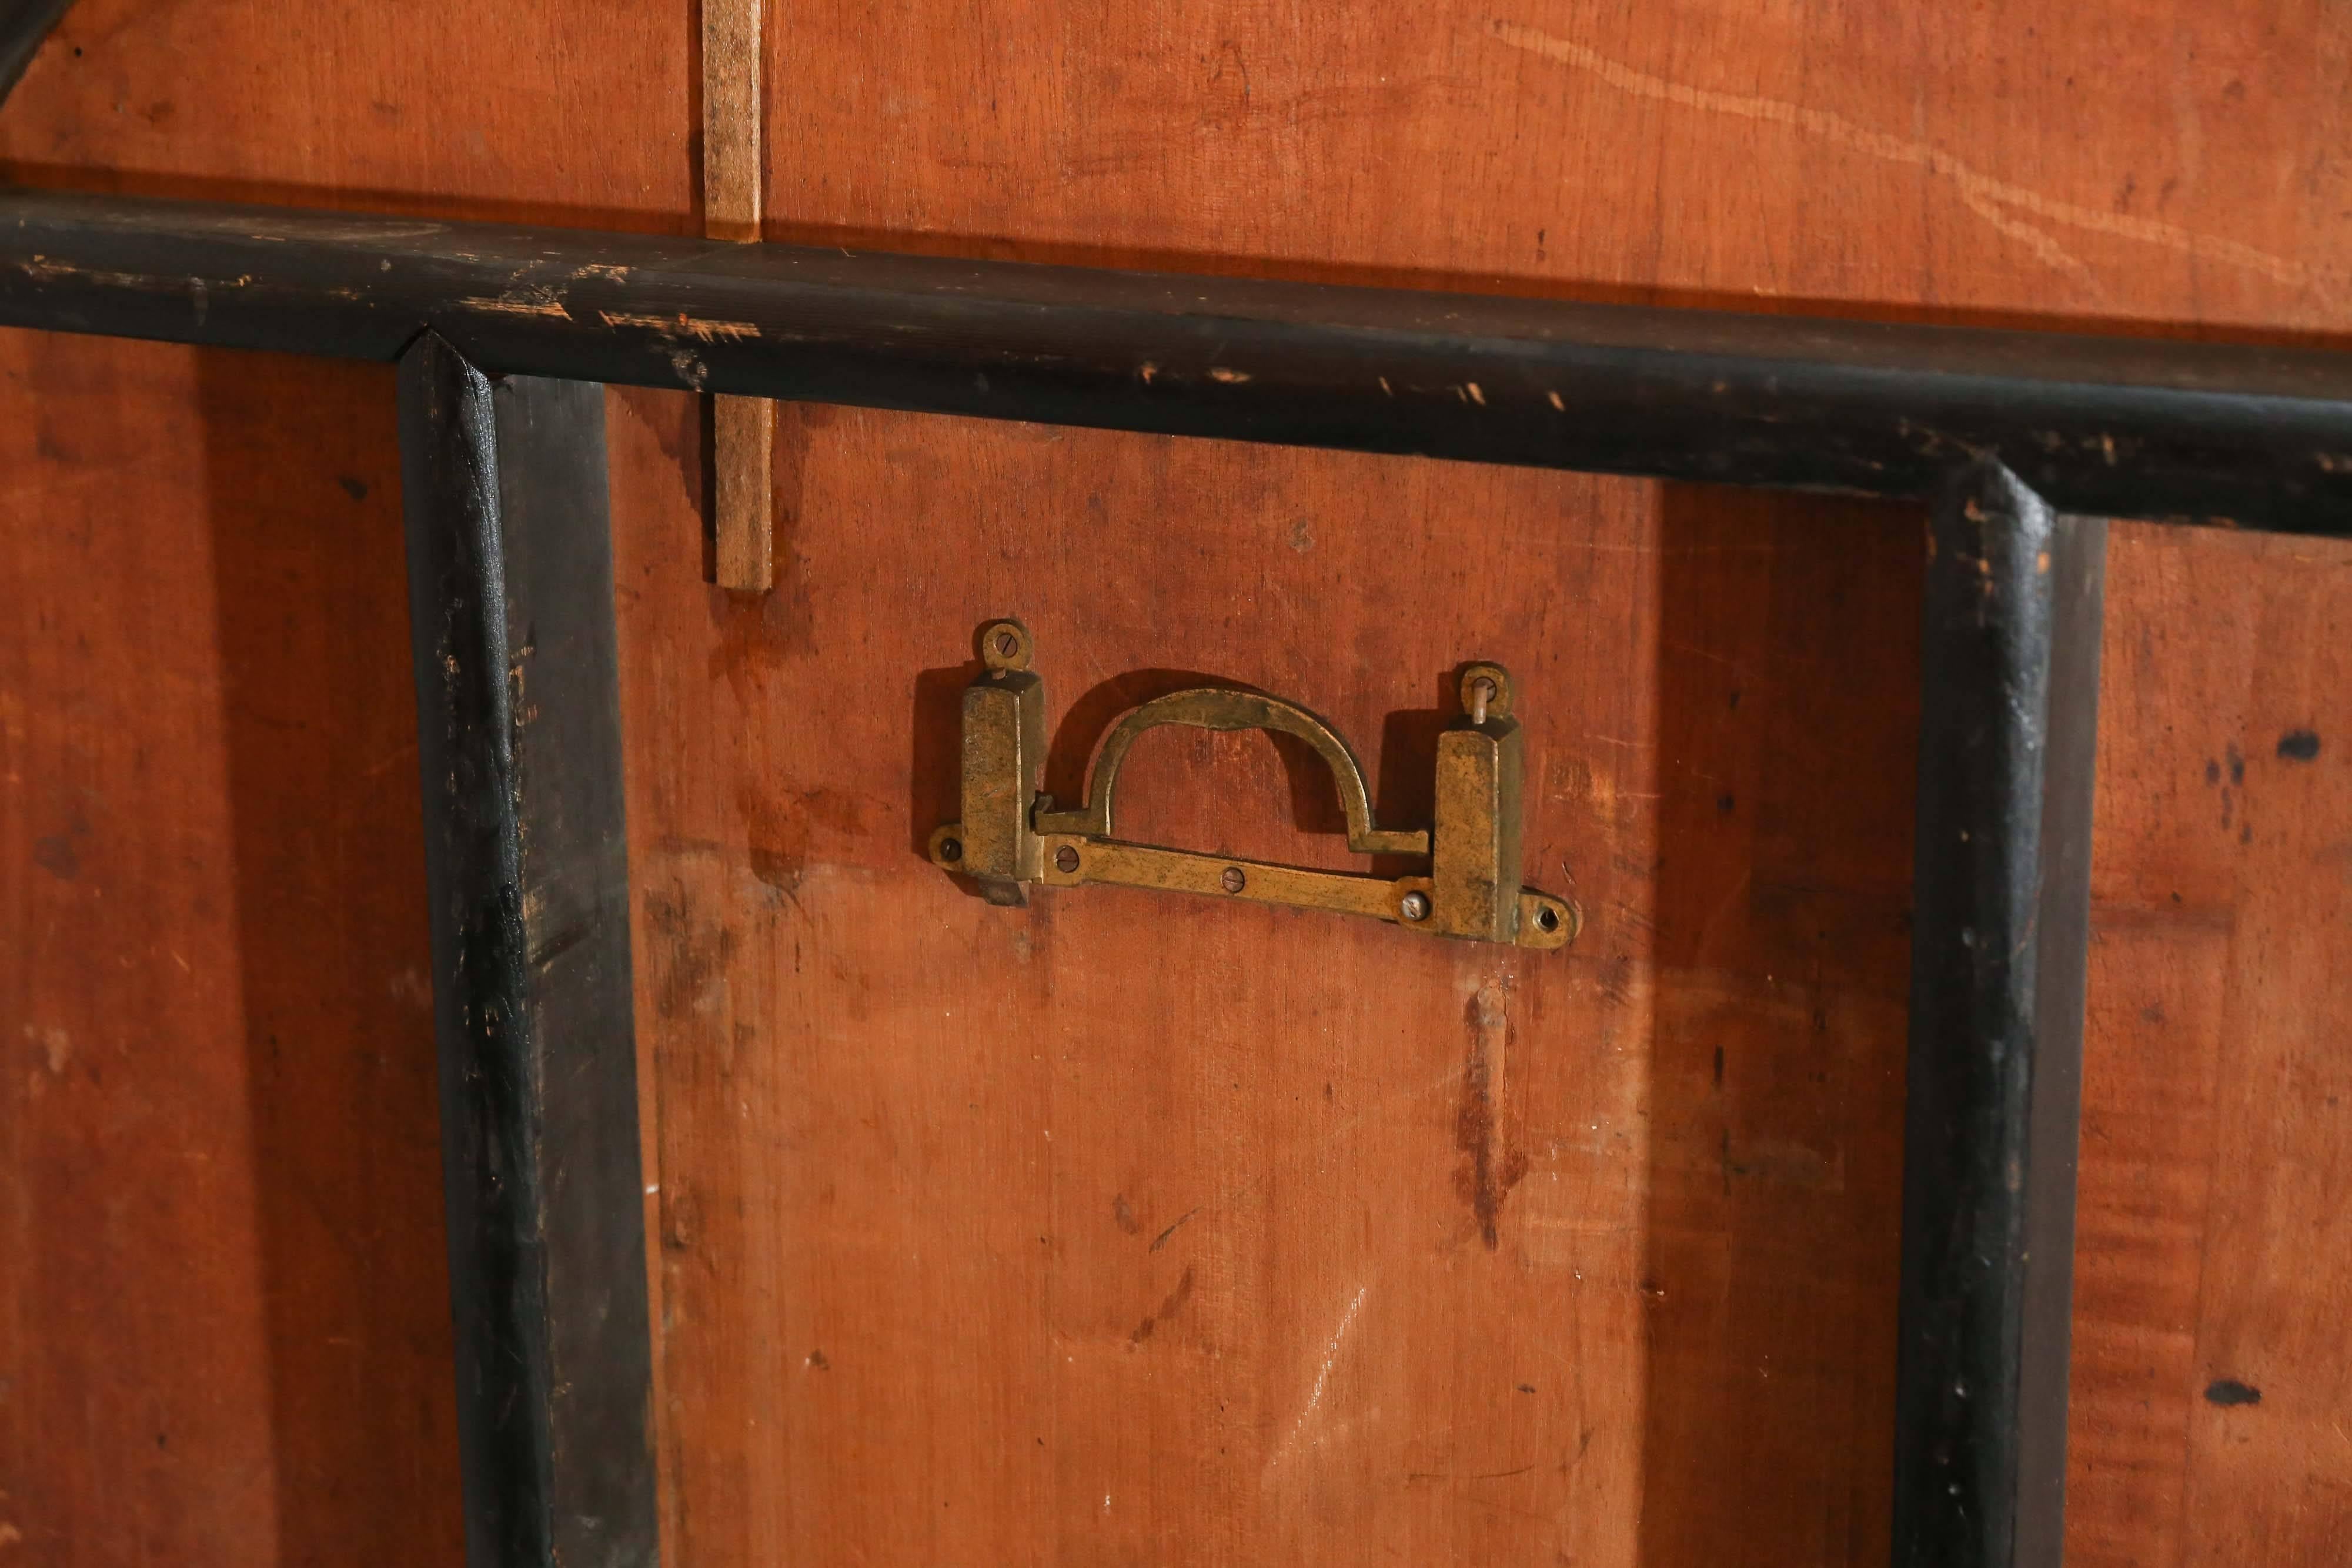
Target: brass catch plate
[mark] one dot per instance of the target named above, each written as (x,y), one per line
(1011,837)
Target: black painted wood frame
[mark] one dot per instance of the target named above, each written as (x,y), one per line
(2017,442)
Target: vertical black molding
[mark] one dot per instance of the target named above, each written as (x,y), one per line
(2010,674)
(511,604)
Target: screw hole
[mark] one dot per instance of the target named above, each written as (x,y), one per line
(1547,919)
(950,849)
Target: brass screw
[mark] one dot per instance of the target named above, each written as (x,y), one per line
(1233,879)
(1413,906)
(950,849)
(1065,859)
(1006,642)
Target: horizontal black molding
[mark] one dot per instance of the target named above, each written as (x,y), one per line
(2260,437)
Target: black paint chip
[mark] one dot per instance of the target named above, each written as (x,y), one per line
(2299,745)
(2229,1391)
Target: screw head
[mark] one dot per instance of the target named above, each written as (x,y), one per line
(1065,859)
(1233,879)
(950,849)
(1413,906)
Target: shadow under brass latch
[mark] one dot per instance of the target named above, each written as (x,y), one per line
(1012,835)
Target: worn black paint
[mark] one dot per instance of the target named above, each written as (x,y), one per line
(2009,672)
(2121,427)
(2298,745)
(511,587)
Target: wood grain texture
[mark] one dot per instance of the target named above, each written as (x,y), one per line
(223,1321)
(742,430)
(899,1322)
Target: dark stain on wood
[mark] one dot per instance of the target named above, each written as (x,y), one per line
(1169,1308)
(1490,1171)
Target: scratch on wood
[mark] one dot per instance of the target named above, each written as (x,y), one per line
(682,325)
(1994,200)
(518,307)
(1322,1382)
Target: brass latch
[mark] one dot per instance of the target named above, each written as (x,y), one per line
(1012,835)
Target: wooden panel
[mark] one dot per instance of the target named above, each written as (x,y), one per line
(224,1323)
(1301,1234)
(870,1352)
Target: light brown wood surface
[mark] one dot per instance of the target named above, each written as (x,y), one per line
(742,430)
(1126,1228)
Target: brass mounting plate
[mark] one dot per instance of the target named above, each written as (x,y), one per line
(1011,837)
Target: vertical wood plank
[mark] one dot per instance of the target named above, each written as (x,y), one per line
(742,430)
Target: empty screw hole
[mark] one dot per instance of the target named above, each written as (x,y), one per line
(1547,919)
(950,849)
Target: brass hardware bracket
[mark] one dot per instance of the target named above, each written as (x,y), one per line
(1012,835)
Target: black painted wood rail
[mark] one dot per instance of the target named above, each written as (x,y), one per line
(2017,443)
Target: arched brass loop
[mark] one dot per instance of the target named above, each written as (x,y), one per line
(1222,708)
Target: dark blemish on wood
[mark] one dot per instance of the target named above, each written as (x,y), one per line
(2212,771)
(1718,1067)
(1123,1216)
(2227,807)
(1526,1388)
(354,487)
(2299,745)
(53,853)
(1161,1240)
(816,1359)
(776,833)
(2228,1391)
(1326,1094)
(2152,1013)
(1481,1475)
(2245,832)
(1490,1171)
(1168,1309)
(2237,760)
(689,952)
(682,1218)
(1723,803)
(1735,699)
